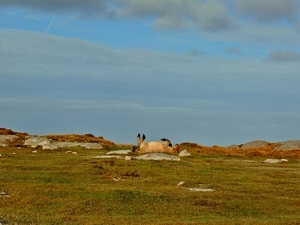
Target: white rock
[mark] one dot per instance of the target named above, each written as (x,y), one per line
(128,158)
(181,183)
(49,146)
(158,156)
(184,153)
(107,157)
(4,194)
(201,189)
(91,145)
(275,160)
(119,152)
(35,141)
(74,153)
(35,151)
(5,138)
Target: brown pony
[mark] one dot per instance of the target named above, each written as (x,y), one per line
(156,146)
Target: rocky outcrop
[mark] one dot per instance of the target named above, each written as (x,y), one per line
(35,141)
(4,139)
(288,145)
(46,143)
(255,144)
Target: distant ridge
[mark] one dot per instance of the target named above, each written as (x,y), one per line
(291,148)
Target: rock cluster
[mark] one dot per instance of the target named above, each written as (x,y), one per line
(35,141)
(6,138)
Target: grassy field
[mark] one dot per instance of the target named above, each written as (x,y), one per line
(52,187)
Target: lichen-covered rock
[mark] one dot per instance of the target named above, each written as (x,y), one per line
(5,138)
(46,143)
(37,141)
(158,157)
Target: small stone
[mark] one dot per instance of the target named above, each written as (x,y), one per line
(4,194)
(181,183)
(201,189)
(34,151)
(74,153)
(107,157)
(128,158)
(272,161)
(184,153)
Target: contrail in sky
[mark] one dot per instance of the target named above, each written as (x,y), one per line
(50,24)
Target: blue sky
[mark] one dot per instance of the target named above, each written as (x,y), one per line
(214,72)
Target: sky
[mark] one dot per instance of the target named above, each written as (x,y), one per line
(212,72)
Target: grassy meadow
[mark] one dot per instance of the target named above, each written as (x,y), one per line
(53,187)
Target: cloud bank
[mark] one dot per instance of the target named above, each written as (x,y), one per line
(209,15)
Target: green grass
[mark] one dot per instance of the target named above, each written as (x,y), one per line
(52,187)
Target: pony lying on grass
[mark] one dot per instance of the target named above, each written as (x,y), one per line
(156,146)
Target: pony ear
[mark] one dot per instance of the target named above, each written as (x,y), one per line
(144,137)
(165,139)
(138,136)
